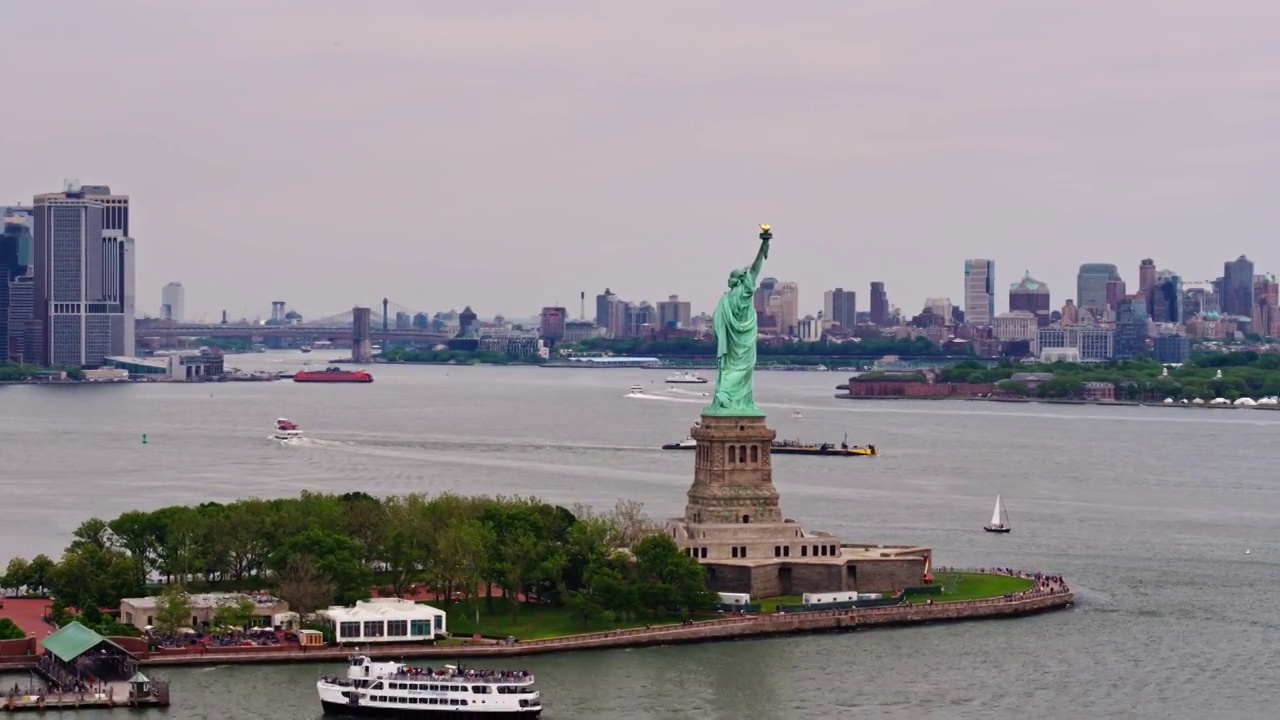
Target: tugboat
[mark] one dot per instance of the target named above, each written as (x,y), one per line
(392,689)
(794,447)
(287,431)
(333,374)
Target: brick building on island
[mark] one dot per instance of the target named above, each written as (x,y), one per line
(917,384)
(734,526)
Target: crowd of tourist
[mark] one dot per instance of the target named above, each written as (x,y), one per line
(427,673)
(255,637)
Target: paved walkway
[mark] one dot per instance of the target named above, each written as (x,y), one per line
(27,614)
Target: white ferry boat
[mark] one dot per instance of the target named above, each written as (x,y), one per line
(392,689)
(687,379)
(287,431)
(636,390)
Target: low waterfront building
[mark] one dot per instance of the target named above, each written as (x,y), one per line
(519,345)
(77,657)
(1098,391)
(170,367)
(268,610)
(385,620)
(909,385)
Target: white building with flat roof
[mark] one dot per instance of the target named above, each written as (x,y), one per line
(385,620)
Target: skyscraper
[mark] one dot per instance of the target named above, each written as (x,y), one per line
(1030,295)
(15,240)
(1237,287)
(1146,276)
(1165,298)
(674,312)
(841,307)
(15,263)
(603,302)
(84,301)
(173,302)
(1131,326)
(979,292)
(21,302)
(879,305)
(788,307)
(764,292)
(551,324)
(1091,287)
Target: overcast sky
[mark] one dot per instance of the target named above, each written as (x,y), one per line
(508,154)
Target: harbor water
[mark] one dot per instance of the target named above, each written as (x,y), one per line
(1147,511)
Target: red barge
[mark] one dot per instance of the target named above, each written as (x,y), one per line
(333,374)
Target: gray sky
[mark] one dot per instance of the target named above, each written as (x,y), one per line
(507,154)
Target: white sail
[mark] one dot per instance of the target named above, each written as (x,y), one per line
(995,514)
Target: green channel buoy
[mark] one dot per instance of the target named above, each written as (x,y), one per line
(144,438)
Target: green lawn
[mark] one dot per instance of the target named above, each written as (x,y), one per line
(534,622)
(770,605)
(972,586)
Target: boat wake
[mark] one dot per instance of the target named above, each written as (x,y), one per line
(495,460)
(665,398)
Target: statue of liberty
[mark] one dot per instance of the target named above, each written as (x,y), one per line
(735,330)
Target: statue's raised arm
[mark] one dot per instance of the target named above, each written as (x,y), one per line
(763,253)
(735,329)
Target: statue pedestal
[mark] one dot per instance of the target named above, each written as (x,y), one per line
(733,473)
(734,526)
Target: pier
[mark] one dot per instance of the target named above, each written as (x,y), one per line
(81,669)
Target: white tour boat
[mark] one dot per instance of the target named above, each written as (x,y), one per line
(687,379)
(287,431)
(392,689)
(636,390)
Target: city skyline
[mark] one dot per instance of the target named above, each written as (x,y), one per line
(882,143)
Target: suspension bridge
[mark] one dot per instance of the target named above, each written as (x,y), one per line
(383,320)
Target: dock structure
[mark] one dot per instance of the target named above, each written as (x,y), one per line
(82,669)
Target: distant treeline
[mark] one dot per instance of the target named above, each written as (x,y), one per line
(1244,374)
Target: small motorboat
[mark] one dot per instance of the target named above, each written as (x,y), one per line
(287,431)
(999,519)
(797,414)
(688,443)
(636,390)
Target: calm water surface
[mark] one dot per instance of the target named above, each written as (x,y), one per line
(1147,511)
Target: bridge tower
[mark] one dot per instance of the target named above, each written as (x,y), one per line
(385,304)
(361,342)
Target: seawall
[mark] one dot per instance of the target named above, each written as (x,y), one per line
(731,628)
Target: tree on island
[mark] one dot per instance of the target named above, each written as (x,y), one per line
(233,612)
(173,610)
(10,631)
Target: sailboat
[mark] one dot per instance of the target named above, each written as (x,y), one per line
(999,519)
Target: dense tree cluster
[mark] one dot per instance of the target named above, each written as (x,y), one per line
(316,550)
(1244,374)
(11,371)
(797,352)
